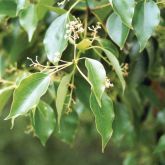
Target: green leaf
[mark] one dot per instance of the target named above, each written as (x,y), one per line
(53,9)
(41,9)
(125,9)
(61,95)
(54,41)
(8,8)
(116,66)
(117,31)
(29,20)
(82,91)
(43,121)
(107,44)
(104,117)
(146,18)
(69,125)
(161,145)
(97,77)
(27,94)
(5,94)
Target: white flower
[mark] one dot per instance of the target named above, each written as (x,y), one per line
(73,29)
(108,83)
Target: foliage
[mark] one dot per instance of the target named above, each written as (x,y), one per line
(63,60)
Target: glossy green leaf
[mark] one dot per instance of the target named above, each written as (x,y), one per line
(125,9)
(69,125)
(29,20)
(104,117)
(27,94)
(43,121)
(116,66)
(61,95)
(97,77)
(117,31)
(8,8)
(146,18)
(55,41)
(5,94)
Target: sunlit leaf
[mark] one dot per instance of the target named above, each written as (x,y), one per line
(125,9)
(29,20)
(27,94)
(55,41)
(97,77)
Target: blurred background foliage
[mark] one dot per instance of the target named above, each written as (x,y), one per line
(139,126)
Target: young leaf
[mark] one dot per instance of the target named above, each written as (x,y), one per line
(43,121)
(29,20)
(55,42)
(97,77)
(104,117)
(84,44)
(125,9)
(146,18)
(116,66)
(61,95)
(27,94)
(8,8)
(5,94)
(117,31)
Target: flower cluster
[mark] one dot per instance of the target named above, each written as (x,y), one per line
(61,3)
(94,30)
(108,83)
(74,28)
(125,68)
